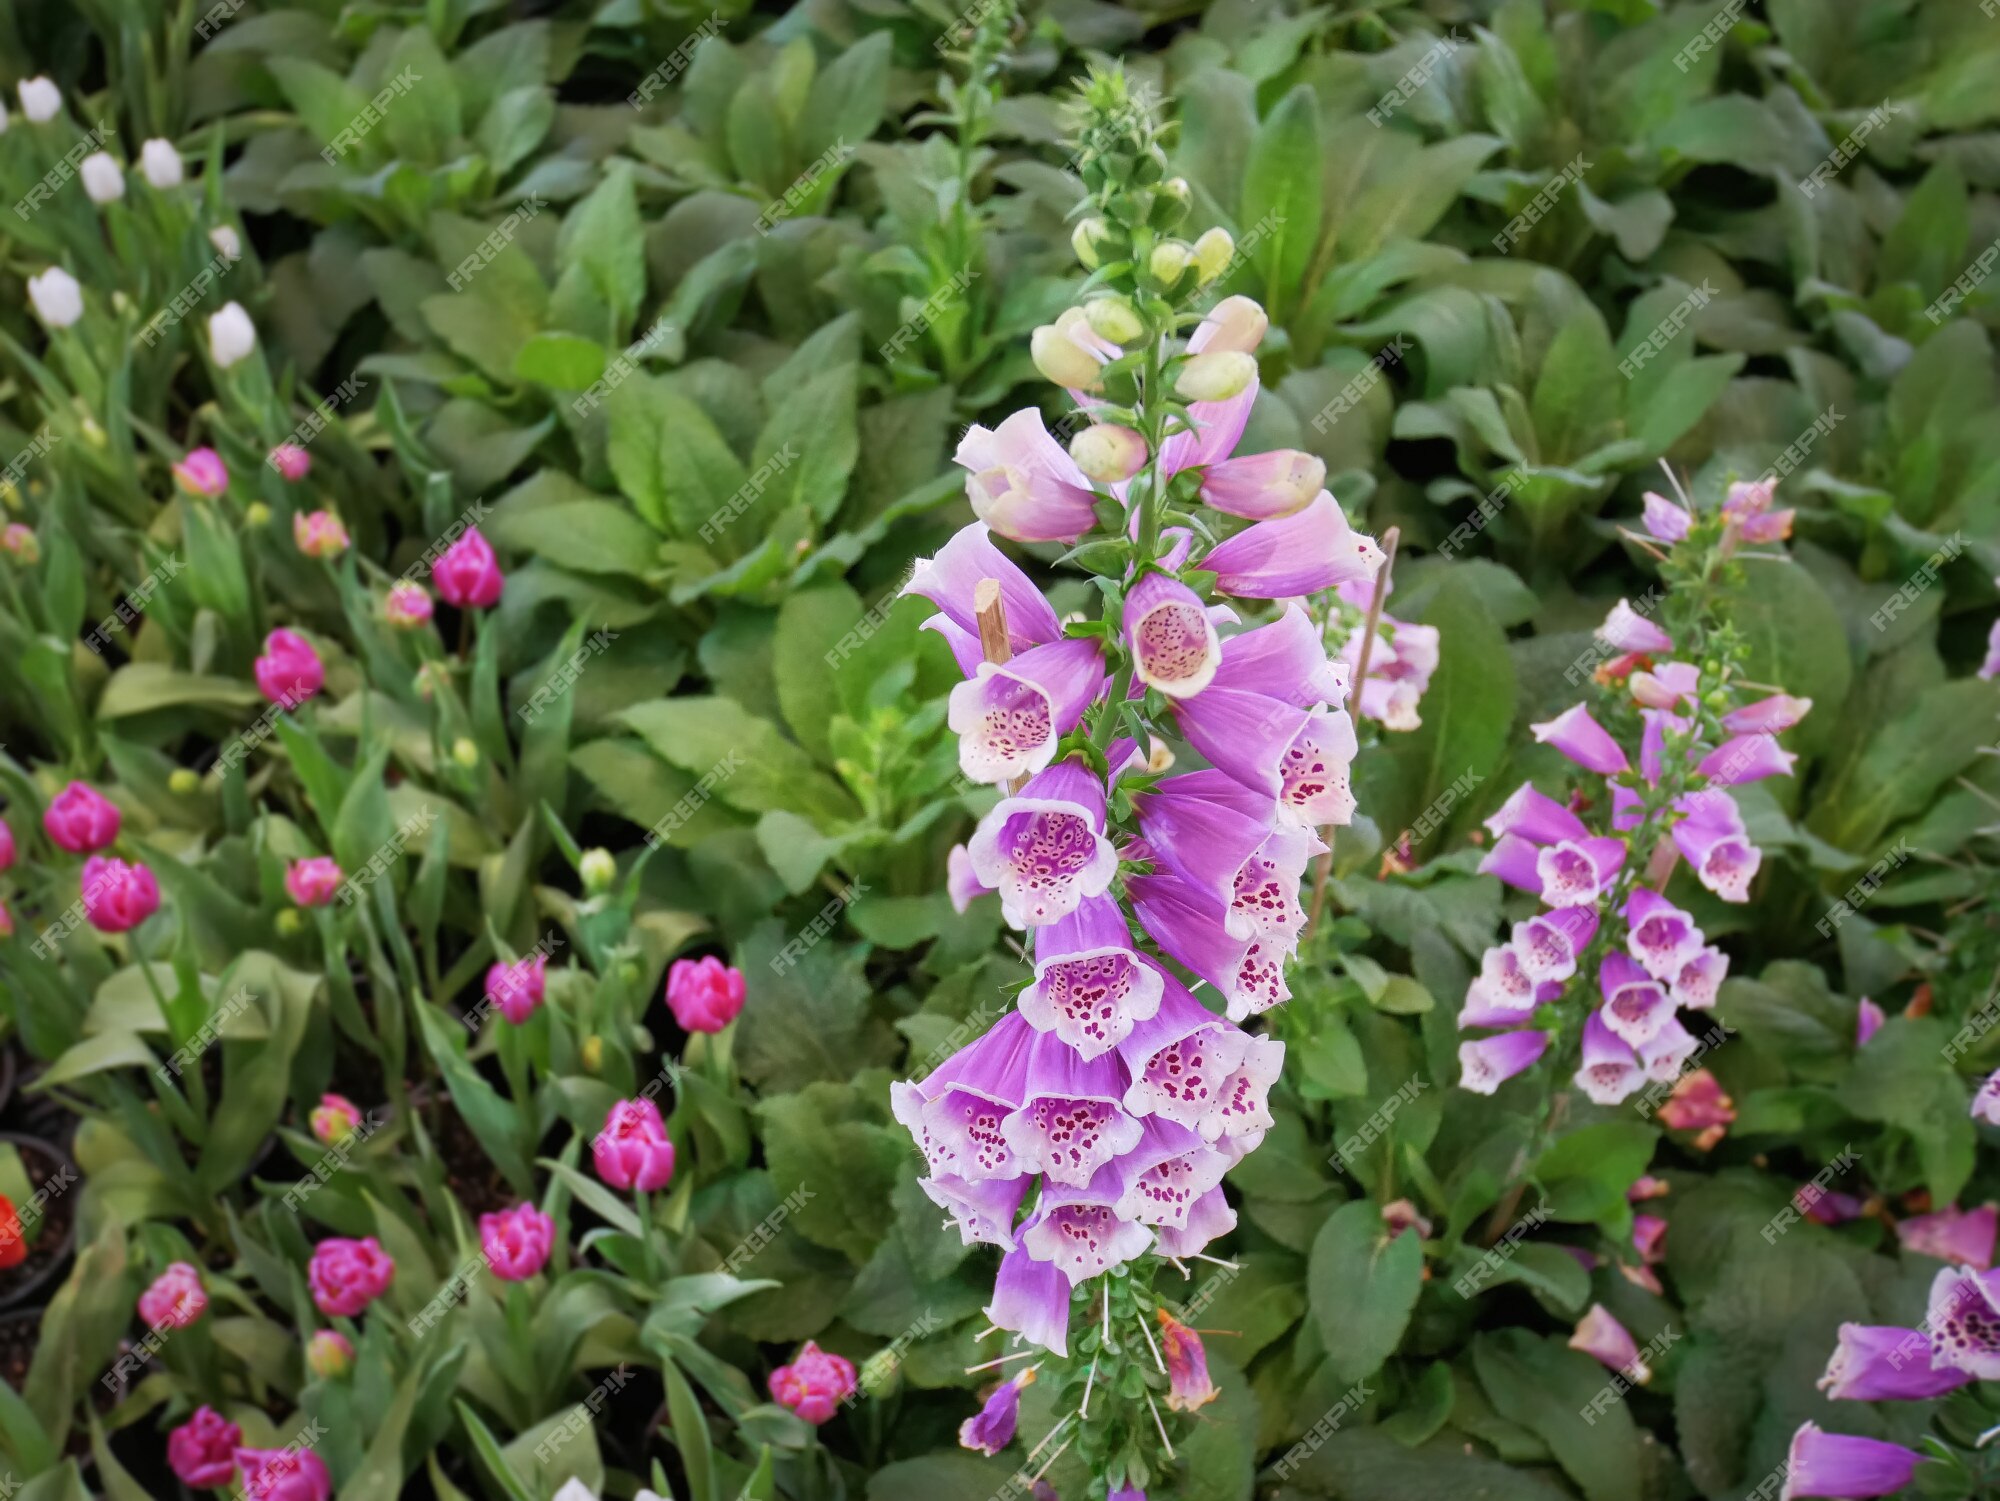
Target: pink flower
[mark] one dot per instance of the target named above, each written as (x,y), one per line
(6,922)
(347,1275)
(1962,1237)
(1748,506)
(6,845)
(1605,1340)
(1187,1365)
(284,1475)
(319,534)
(312,882)
(406,606)
(202,1450)
(118,897)
(81,820)
(516,1241)
(1648,1231)
(329,1355)
(1698,1103)
(704,994)
(518,988)
(814,1384)
(18,540)
(466,573)
(291,461)
(633,1150)
(334,1119)
(202,472)
(290,671)
(176,1298)
(1400,1215)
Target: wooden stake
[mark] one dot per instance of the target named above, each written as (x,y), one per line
(990,608)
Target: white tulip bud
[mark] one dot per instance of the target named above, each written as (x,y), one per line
(101,178)
(1216,376)
(1212,254)
(1113,318)
(231,334)
(1169,262)
(1237,323)
(1061,359)
(1085,238)
(161,164)
(1108,453)
(57,299)
(40,99)
(224,239)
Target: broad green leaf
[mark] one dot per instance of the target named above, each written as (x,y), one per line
(1363,1284)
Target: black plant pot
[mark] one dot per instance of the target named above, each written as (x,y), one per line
(49,1257)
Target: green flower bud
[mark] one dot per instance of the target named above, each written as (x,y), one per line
(464,752)
(1108,453)
(592,1053)
(1115,319)
(598,870)
(291,922)
(183,781)
(256,514)
(1215,377)
(1086,239)
(1212,254)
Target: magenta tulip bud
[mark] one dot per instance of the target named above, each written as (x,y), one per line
(334,1119)
(202,1451)
(466,573)
(291,461)
(81,820)
(518,988)
(176,1298)
(118,897)
(633,1150)
(202,472)
(312,882)
(814,1384)
(705,995)
(347,1275)
(329,1355)
(516,1242)
(290,671)
(6,845)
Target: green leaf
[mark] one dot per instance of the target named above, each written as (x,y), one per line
(1560,1394)
(806,451)
(604,239)
(1587,1171)
(1282,196)
(590,536)
(1906,762)
(141,687)
(563,362)
(757,769)
(810,622)
(1364,1286)
(848,99)
(671,462)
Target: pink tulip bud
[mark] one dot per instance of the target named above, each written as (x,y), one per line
(329,1355)
(516,1241)
(518,988)
(18,540)
(334,1119)
(466,574)
(312,882)
(633,1150)
(202,1451)
(290,671)
(284,1475)
(291,461)
(406,606)
(319,534)
(202,472)
(176,1298)
(118,897)
(347,1275)
(704,994)
(6,845)
(6,922)
(814,1384)
(81,820)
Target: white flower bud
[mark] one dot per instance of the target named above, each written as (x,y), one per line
(224,239)
(161,164)
(1216,376)
(231,334)
(1212,254)
(1108,453)
(1113,318)
(1169,262)
(101,178)
(1061,359)
(57,299)
(40,99)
